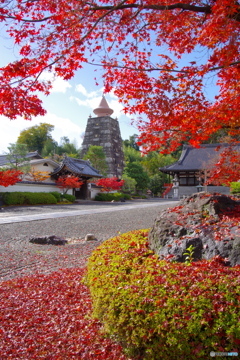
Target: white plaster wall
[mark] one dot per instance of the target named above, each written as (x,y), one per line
(31,188)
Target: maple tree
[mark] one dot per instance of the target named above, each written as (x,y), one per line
(143,48)
(109,184)
(227,168)
(37,176)
(68,182)
(10,177)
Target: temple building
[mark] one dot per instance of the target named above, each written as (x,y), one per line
(81,169)
(103,130)
(192,163)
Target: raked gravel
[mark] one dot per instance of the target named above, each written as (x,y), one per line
(19,257)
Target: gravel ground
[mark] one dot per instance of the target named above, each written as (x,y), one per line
(19,257)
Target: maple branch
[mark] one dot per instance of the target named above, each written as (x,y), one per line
(162,69)
(29,20)
(203,9)
(199,9)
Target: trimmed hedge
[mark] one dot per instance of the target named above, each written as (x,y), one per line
(57,195)
(69,197)
(14,198)
(28,198)
(162,310)
(112,196)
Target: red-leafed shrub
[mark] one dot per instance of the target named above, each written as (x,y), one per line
(47,317)
(68,182)
(109,184)
(10,177)
(162,310)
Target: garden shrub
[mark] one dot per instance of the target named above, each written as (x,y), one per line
(28,198)
(69,197)
(57,195)
(34,198)
(235,188)
(13,198)
(162,310)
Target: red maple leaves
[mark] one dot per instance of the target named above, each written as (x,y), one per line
(147,66)
(68,182)
(10,177)
(48,316)
(110,184)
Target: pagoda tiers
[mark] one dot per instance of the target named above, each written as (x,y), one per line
(103,130)
(79,168)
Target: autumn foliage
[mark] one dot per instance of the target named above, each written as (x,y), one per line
(226,169)
(158,57)
(68,182)
(10,177)
(109,184)
(48,317)
(37,176)
(163,310)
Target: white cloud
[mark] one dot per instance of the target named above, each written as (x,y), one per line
(92,99)
(10,129)
(58,84)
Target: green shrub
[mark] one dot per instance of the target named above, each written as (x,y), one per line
(57,195)
(13,198)
(235,188)
(111,196)
(34,198)
(28,198)
(69,197)
(162,310)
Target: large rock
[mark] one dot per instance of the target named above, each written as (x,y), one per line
(198,221)
(48,240)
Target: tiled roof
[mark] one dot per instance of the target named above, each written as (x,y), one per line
(31,155)
(77,166)
(194,159)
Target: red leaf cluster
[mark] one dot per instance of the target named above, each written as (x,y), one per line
(10,177)
(48,317)
(110,184)
(227,169)
(68,182)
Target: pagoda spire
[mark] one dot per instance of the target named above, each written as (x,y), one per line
(103,109)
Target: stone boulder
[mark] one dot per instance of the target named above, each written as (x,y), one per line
(197,221)
(48,240)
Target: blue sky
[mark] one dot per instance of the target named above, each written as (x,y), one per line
(68,106)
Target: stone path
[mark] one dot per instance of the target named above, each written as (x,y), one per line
(22,214)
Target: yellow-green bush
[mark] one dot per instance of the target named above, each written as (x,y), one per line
(235,188)
(163,310)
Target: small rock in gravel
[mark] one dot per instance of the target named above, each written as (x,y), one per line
(90,237)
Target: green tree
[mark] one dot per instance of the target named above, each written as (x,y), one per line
(156,183)
(36,136)
(69,148)
(129,184)
(50,148)
(136,171)
(17,155)
(131,154)
(97,157)
(154,160)
(132,142)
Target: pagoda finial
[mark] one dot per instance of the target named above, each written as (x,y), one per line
(103,109)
